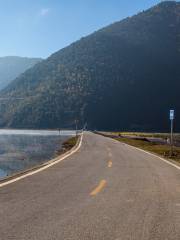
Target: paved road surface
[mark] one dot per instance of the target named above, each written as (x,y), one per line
(105,191)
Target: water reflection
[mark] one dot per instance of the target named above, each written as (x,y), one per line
(21,149)
(37,132)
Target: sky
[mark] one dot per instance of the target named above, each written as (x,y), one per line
(38,28)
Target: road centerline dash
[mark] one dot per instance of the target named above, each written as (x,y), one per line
(110,164)
(99,188)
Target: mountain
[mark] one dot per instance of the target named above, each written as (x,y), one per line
(11,67)
(125,76)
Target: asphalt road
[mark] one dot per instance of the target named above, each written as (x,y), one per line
(106,190)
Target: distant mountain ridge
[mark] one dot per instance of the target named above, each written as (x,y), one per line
(125,76)
(12,66)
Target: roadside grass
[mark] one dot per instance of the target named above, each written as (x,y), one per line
(68,145)
(143,134)
(164,136)
(160,149)
(163,150)
(140,134)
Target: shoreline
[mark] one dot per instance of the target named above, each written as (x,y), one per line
(38,167)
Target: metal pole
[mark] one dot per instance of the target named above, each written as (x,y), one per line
(76,127)
(171,137)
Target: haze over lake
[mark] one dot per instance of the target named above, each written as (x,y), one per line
(21,149)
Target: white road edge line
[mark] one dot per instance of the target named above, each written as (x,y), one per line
(154,155)
(44,167)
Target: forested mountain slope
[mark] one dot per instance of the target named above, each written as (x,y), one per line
(125,76)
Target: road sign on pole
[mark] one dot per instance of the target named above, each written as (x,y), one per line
(172,123)
(171,114)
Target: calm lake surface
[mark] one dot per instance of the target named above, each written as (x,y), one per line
(21,149)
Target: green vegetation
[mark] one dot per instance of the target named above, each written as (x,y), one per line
(124,76)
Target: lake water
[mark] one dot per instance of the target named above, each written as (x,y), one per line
(21,149)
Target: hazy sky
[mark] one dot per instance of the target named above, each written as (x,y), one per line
(37,28)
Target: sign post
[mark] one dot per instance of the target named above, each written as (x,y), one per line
(172,125)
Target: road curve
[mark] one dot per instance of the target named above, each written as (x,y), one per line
(105,191)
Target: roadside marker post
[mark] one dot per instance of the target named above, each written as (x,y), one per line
(172,126)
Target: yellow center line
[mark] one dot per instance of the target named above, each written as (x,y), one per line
(110,164)
(99,188)
(108,149)
(110,154)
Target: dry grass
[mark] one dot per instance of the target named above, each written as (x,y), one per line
(67,145)
(140,134)
(70,143)
(163,150)
(157,148)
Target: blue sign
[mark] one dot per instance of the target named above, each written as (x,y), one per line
(171,114)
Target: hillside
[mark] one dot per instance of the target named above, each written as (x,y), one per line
(124,76)
(12,67)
